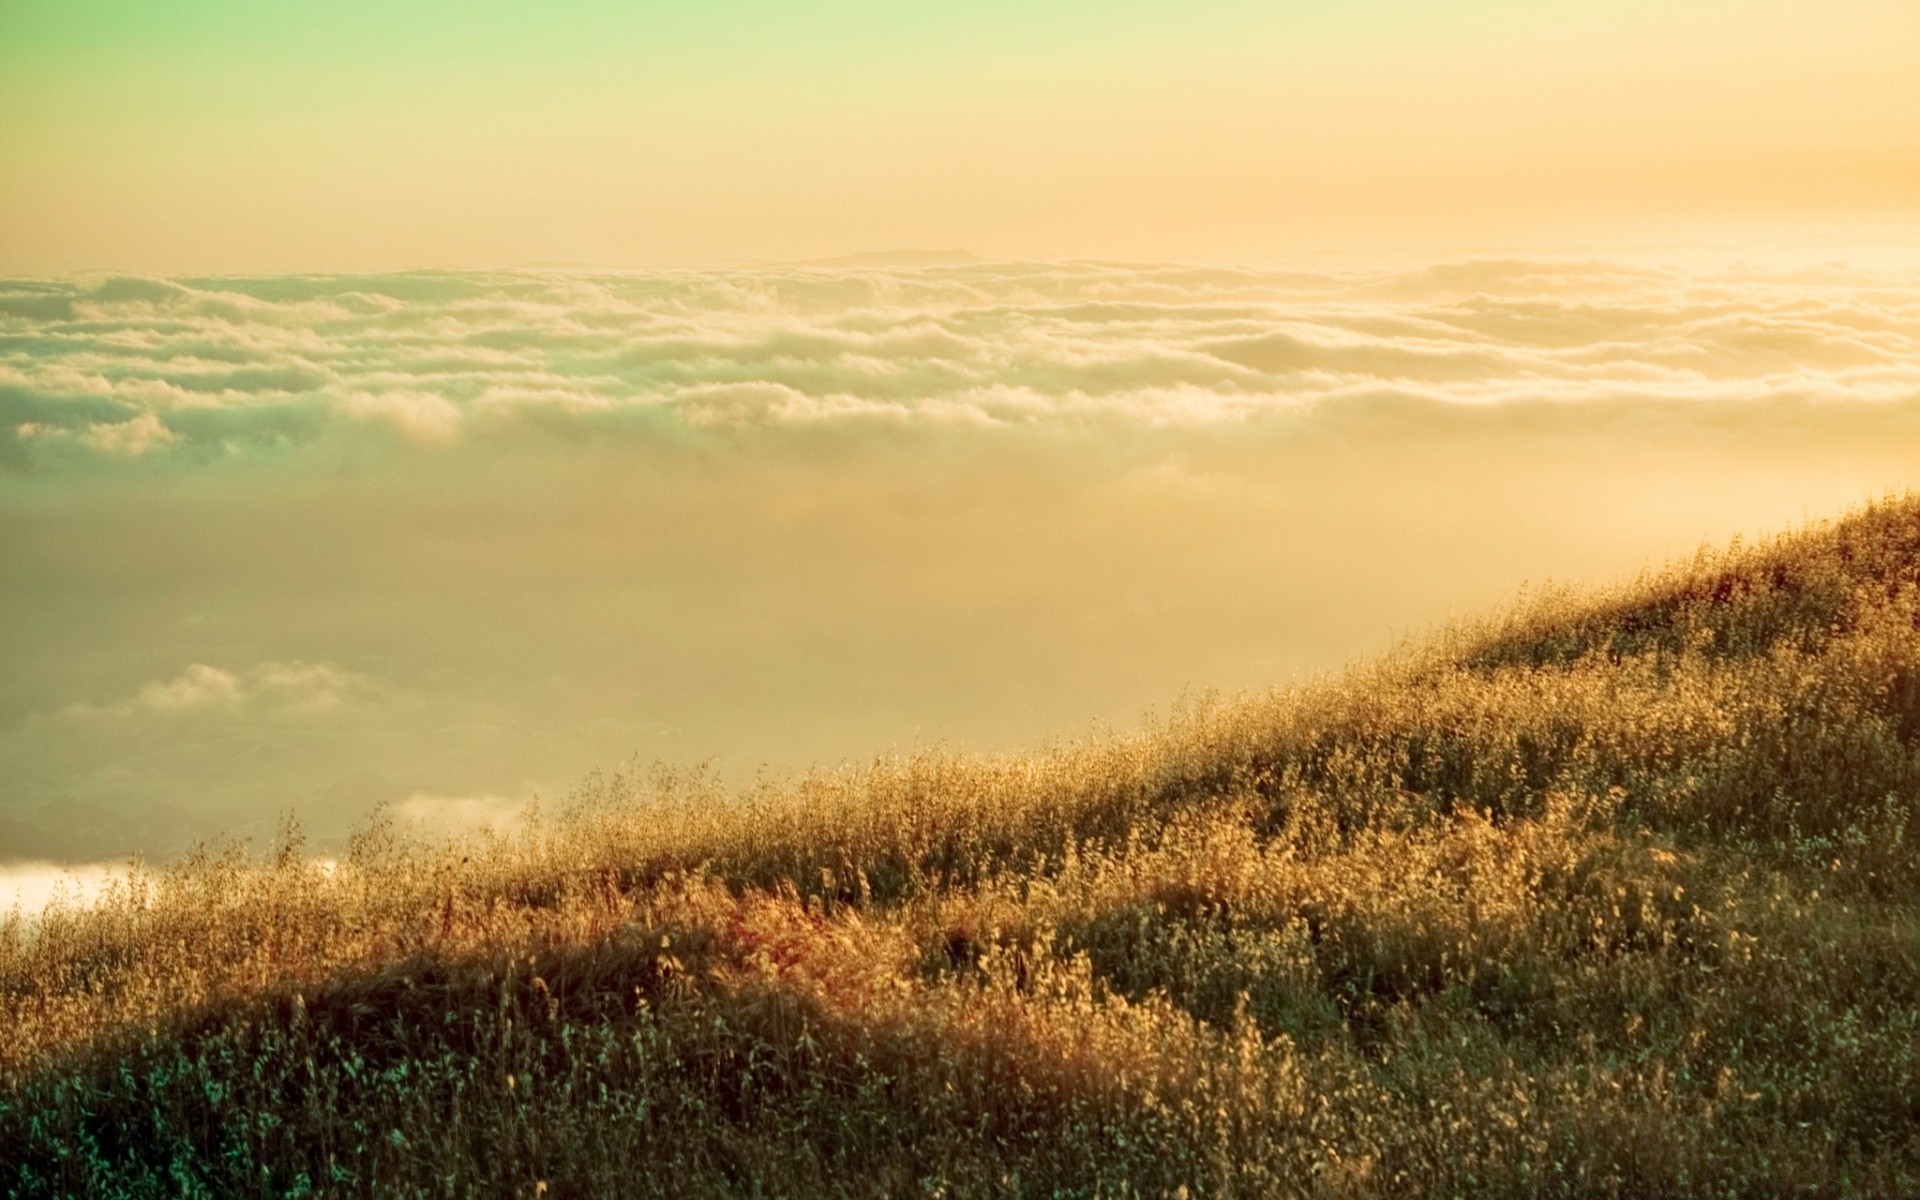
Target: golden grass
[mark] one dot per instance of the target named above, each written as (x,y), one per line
(1607,896)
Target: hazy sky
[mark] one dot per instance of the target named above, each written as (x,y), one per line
(265,135)
(406,402)
(439,539)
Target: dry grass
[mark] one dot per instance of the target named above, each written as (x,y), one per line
(1609,896)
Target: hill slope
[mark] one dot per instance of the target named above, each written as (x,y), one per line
(1612,895)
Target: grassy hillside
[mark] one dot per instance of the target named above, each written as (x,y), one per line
(1612,896)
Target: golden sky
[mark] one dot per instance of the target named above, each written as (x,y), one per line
(297,528)
(271,135)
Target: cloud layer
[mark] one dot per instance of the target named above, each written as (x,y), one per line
(436,541)
(115,370)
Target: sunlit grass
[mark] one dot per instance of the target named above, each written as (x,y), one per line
(1609,895)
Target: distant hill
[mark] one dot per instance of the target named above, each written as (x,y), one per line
(1608,895)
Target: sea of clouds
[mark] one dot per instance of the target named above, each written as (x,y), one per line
(439,541)
(115,368)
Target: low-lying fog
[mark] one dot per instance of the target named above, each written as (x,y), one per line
(440,540)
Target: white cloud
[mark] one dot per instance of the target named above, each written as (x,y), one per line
(297,689)
(423,417)
(305,687)
(133,367)
(511,397)
(774,403)
(130,438)
(31,886)
(199,686)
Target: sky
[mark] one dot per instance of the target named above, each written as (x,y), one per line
(415,407)
(443,540)
(292,135)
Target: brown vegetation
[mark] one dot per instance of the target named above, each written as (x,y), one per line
(1611,896)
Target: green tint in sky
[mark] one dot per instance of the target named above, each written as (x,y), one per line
(364,30)
(259,136)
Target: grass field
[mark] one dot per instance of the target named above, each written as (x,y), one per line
(1611,895)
